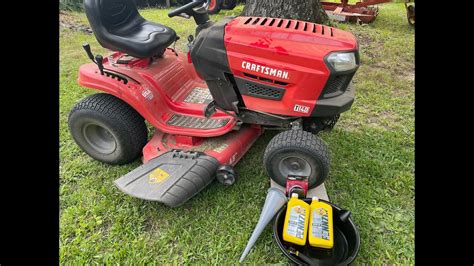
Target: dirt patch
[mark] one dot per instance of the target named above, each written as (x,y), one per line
(398,92)
(363,38)
(67,21)
(409,75)
(383,119)
(369,46)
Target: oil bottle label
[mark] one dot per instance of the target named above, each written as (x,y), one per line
(296,222)
(320,224)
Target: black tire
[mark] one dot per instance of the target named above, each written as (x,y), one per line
(214,6)
(300,151)
(108,129)
(229,4)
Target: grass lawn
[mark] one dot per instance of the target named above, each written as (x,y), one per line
(372,174)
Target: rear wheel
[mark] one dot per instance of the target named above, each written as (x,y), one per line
(297,153)
(108,129)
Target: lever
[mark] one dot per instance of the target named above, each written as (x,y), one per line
(210,109)
(190,42)
(99,59)
(87,48)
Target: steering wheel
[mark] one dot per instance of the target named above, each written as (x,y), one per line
(187,9)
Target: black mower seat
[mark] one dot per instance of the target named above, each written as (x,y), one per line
(118,26)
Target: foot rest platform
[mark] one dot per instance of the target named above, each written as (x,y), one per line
(197,122)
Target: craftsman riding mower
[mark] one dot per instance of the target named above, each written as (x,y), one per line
(242,75)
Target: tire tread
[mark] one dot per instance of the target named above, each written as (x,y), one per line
(301,140)
(118,112)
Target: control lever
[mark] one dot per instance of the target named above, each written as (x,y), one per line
(210,109)
(99,59)
(190,42)
(87,48)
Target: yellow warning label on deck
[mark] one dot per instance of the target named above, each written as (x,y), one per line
(157,176)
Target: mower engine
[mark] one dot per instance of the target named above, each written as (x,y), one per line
(281,67)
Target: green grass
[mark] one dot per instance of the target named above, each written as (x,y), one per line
(372,174)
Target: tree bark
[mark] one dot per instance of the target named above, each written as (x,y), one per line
(306,10)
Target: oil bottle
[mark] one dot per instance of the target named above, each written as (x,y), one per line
(321,233)
(295,229)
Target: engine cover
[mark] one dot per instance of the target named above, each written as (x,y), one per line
(278,64)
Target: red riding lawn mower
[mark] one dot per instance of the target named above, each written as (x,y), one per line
(242,75)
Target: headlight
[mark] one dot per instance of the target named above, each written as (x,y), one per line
(342,61)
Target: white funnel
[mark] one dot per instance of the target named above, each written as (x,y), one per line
(273,203)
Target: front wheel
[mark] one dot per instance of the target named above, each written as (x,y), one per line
(297,153)
(108,129)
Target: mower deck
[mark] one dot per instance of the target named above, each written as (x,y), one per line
(177,167)
(227,149)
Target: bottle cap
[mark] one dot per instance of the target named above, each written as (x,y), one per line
(294,195)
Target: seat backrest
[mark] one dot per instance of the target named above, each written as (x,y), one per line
(111,16)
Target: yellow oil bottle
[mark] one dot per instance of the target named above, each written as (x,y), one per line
(295,229)
(321,233)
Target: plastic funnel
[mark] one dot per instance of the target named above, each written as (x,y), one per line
(273,203)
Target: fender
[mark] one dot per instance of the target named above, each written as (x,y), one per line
(148,99)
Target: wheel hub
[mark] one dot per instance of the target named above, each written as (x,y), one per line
(294,166)
(99,138)
(225,174)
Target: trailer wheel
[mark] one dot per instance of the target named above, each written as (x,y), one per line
(214,6)
(108,129)
(297,152)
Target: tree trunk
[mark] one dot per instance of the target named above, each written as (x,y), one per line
(307,10)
